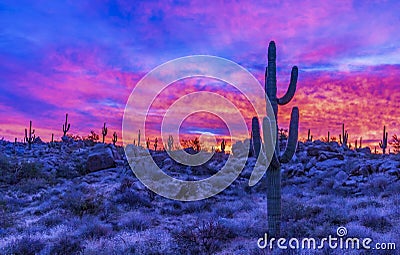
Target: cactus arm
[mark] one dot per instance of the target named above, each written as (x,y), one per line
(291,89)
(293,136)
(269,144)
(270,75)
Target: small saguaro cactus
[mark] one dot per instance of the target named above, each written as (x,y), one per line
(274,169)
(138,143)
(329,138)
(223,145)
(356,144)
(344,137)
(155,144)
(66,125)
(309,136)
(148,143)
(170,142)
(51,144)
(30,137)
(104,131)
(115,138)
(255,136)
(383,143)
(15,145)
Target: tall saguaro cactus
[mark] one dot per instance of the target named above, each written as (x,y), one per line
(384,141)
(170,142)
(66,125)
(344,137)
(115,138)
(104,131)
(274,169)
(255,136)
(30,137)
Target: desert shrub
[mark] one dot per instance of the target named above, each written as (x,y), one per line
(377,183)
(25,246)
(14,173)
(80,204)
(293,210)
(375,221)
(51,220)
(132,198)
(172,208)
(30,170)
(152,243)
(197,206)
(300,228)
(135,220)
(368,203)
(206,237)
(95,230)
(63,171)
(5,218)
(5,166)
(67,244)
(32,186)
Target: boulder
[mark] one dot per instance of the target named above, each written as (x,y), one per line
(101,156)
(340,179)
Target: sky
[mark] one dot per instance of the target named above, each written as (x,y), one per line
(84,58)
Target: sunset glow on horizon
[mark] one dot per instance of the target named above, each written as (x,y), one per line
(84,59)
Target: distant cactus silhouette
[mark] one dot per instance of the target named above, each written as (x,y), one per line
(30,137)
(255,137)
(344,137)
(329,134)
(104,131)
(196,144)
(155,144)
(66,125)
(148,143)
(138,138)
(383,143)
(356,144)
(51,144)
(395,143)
(223,145)
(274,169)
(309,136)
(115,138)
(170,142)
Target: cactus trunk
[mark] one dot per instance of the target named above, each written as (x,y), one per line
(274,200)
(274,169)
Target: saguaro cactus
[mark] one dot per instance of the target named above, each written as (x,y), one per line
(66,125)
(104,131)
(170,142)
(274,169)
(384,141)
(344,137)
(155,144)
(30,137)
(223,145)
(255,136)
(115,138)
(148,143)
(138,138)
(309,136)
